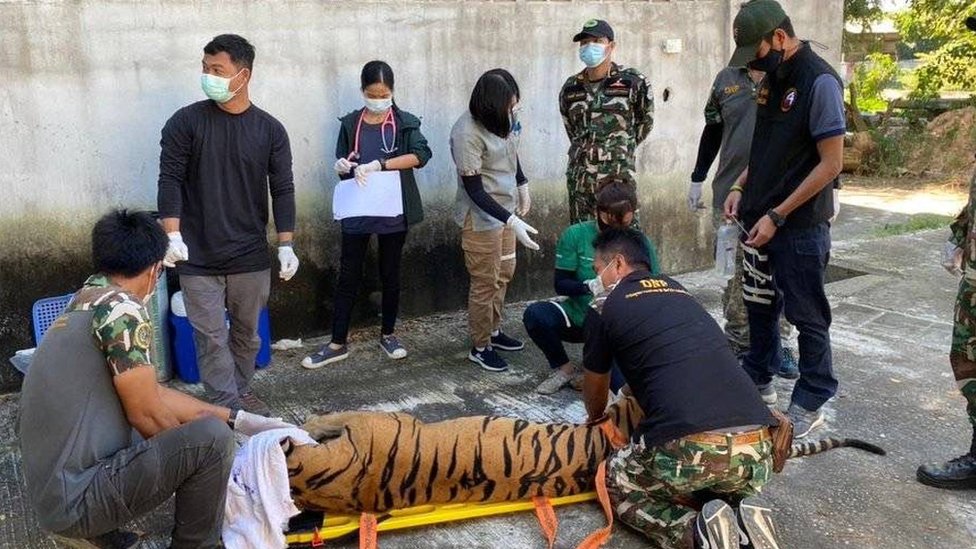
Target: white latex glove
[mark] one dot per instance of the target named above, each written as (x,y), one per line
(250,424)
(952,258)
(836,205)
(522,231)
(694,196)
(344,166)
(176,251)
(288,261)
(364,169)
(595,285)
(524,200)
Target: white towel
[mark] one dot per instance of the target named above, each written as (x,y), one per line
(258,497)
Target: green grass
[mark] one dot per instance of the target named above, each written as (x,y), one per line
(919,222)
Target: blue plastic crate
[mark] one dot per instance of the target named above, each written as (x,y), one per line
(184,348)
(45,312)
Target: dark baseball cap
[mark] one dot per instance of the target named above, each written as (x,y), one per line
(971,23)
(595,28)
(755,20)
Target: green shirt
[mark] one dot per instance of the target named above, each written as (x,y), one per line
(574,253)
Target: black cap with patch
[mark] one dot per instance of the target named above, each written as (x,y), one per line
(971,23)
(595,28)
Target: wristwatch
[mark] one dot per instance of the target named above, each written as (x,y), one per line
(778,220)
(383,164)
(232,418)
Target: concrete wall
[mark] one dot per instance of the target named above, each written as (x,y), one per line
(87,86)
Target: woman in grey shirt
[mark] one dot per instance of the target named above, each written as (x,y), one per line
(490,188)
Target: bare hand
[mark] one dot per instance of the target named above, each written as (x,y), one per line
(731,206)
(762,232)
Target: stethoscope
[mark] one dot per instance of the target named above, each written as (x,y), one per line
(386,148)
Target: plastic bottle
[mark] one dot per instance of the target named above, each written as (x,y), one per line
(726,240)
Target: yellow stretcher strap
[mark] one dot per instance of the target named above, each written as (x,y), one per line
(598,538)
(367,531)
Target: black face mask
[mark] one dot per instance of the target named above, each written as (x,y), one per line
(769,63)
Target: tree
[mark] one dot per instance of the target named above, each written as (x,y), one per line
(936,32)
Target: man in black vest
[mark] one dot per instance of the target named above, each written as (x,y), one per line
(784,200)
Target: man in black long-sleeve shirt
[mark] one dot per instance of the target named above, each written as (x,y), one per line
(219,159)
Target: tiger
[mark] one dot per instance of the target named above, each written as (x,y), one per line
(373,462)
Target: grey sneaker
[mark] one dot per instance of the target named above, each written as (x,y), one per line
(251,403)
(556,381)
(715,527)
(756,524)
(326,355)
(804,420)
(392,346)
(768,393)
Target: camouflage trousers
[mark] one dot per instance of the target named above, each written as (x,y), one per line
(962,354)
(734,308)
(658,491)
(581,181)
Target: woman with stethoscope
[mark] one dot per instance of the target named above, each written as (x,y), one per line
(378,137)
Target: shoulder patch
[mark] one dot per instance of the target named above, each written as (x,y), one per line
(143,335)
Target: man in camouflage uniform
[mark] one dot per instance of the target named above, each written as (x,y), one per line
(608,110)
(705,428)
(959,258)
(92,383)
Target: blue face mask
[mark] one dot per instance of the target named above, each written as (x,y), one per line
(218,87)
(593,54)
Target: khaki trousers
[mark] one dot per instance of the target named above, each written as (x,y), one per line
(489,257)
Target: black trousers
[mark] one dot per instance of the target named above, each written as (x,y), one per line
(351,261)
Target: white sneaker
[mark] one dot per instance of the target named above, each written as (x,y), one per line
(556,381)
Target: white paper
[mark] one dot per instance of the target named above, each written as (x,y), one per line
(380,197)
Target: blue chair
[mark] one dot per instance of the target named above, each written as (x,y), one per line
(46,311)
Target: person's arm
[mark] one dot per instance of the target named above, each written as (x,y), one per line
(827,127)
(565,283)
(597,361)
(520,178)
(282,185)
(960,227)
(187,408)
(175,144)
(711,137)
(417,155)
(644,111)
(475,189)
(139,394)
(564,112)
(708,148)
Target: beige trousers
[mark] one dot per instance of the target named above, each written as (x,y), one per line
(489,257)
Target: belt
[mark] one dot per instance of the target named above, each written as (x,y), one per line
(717,439)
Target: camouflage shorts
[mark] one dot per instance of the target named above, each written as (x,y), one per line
(658,490)
(962,354)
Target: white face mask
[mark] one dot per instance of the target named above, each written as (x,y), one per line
(606,288)
(151,291)
(377,106)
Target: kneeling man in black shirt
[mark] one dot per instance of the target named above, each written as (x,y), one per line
(704,434)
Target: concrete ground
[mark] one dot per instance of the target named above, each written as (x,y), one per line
(890,337)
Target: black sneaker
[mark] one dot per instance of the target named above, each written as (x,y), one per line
(488,359)
(116,539)
(715,527)
(506,343)
(756,529)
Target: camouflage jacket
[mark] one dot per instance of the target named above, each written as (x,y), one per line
(120,323)
(605,121)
